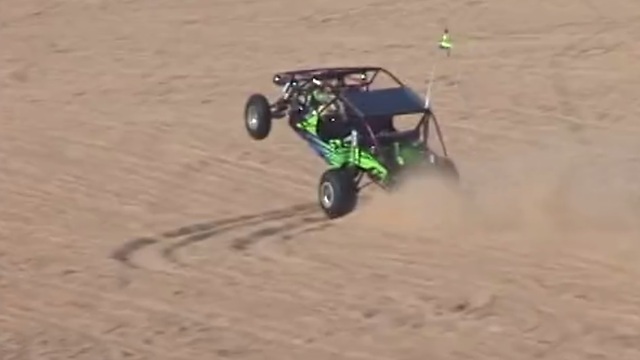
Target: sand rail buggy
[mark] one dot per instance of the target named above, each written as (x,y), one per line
(349,122)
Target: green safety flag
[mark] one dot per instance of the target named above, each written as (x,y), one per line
(445,42)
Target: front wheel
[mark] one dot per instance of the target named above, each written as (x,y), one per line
(337,192)
(257,116)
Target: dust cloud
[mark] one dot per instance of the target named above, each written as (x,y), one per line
(540,194)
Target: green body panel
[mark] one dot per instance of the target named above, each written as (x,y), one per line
(345,155)
(411,153)
(342,153)
(310,123)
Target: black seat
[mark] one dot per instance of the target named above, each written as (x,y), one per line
(332,127)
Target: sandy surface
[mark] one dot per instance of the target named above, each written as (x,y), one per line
(139,221)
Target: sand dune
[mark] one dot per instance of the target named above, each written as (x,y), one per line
(139,221)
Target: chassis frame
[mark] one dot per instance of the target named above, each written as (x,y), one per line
(298,84)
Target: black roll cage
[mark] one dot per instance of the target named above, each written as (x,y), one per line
(303,82)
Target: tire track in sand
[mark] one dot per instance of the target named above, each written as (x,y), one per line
(300,218)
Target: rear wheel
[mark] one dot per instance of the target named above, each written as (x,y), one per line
(257,116)
(337,192)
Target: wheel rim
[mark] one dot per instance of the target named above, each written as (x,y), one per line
(252,118)
(326,194)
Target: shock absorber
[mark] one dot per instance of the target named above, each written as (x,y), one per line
(355,146)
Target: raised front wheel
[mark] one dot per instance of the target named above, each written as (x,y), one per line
(257,116)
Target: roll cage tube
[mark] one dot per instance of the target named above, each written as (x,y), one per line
(424,122)
(338,73)
(296,83)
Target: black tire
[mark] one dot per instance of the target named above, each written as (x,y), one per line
(337,192)
(257,116)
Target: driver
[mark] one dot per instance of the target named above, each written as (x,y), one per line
(327,120)
(331,122)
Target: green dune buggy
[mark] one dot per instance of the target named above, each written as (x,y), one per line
(349,120)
